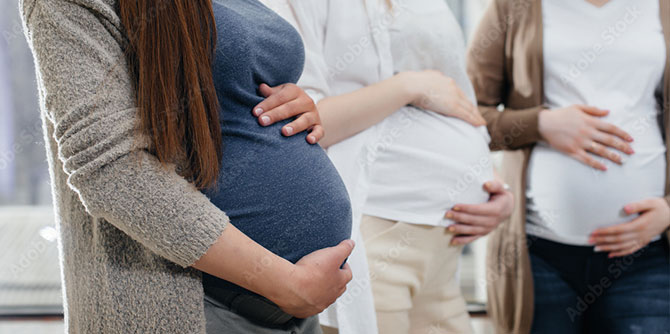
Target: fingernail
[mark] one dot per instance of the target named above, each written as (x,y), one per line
(451,228)
(311,139)
(457,208)
(258,111)
(592,241)
(597,249)
(289,130)
(487,184)
(450,215)
(265,120)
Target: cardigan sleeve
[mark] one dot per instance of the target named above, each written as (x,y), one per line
(509,128)
(86,93)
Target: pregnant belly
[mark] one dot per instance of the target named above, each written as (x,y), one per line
(285,194)
(282,193)
(424,165)
(570,200)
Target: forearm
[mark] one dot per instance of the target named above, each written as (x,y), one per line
(346,115)
(236,258)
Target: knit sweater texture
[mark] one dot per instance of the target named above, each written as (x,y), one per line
(129,227)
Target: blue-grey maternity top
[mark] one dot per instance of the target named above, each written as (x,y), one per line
(280,191)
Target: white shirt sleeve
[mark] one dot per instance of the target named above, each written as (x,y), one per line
(311,22)
(354,312)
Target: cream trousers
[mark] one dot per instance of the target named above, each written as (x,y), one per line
(413,271)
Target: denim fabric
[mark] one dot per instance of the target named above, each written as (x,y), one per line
(580,291)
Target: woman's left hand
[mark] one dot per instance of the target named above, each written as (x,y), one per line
(474,221)
(286,101)
(629,237)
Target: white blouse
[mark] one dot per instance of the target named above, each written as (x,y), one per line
(428,162)
(347,48)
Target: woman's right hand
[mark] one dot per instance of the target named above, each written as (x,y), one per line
(434,91)
(578,132)
(316,281)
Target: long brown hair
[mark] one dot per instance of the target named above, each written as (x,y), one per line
(170,53)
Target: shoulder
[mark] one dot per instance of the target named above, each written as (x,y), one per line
(512,13)
(312,11)
(64,10)
(514,7)
(76,19)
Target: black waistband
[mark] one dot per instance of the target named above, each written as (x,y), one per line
(253,307)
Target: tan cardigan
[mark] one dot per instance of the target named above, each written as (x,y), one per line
(505,63)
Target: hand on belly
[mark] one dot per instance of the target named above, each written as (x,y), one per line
(578,132)
(626,238)
(477,220)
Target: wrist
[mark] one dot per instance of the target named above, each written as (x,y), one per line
(280,287)
(407,86)
(542,123)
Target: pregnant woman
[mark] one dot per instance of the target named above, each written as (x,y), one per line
(281,192)
(145,107)
(586,92)
(425,190)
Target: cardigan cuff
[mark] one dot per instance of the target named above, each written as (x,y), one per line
(517,129)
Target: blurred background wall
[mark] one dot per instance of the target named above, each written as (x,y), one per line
(23,173)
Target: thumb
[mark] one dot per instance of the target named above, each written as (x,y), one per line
(593,111)
(494,187)
(638,207)
(265,90)
(341,252)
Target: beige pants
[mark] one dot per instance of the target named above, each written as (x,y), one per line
(413,271)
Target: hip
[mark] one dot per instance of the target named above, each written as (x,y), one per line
(582,269)
(224,318)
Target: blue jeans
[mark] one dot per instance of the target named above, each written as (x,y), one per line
(580,291)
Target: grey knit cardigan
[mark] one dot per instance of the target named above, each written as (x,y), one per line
(129,227)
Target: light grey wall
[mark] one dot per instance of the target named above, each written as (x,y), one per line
(23,171)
